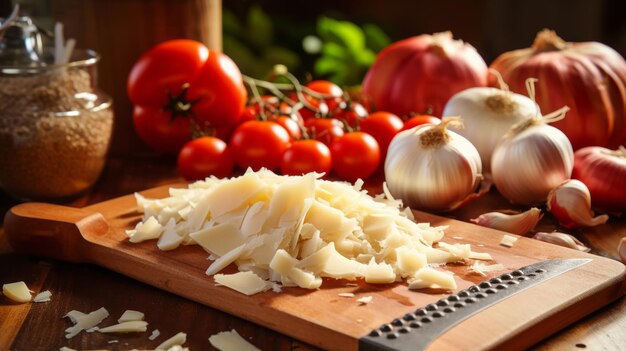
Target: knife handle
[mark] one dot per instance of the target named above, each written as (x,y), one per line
(53,231)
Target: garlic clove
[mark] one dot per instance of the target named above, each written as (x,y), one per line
(519,224)
(562,239)
(570,203)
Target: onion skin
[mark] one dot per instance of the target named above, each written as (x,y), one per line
(603,171)
(589,77)
(421,73)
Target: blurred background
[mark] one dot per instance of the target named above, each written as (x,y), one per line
(335,40)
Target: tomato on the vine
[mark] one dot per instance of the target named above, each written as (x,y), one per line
(183,79)
(326,130)
(332,90)
(383,126)
(258,144)
(351,113)
(203,157)
(304,156)
(418,120)
(291,126)
(355,155)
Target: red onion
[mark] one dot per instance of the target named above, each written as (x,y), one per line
(603,171)
(421,73)
(589,77)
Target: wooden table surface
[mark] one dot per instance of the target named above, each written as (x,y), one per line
(86,288)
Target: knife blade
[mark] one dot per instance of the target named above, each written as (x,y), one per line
(418,329)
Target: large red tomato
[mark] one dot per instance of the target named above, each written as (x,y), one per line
(183,79)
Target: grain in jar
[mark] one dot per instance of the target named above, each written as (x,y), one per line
(55,128)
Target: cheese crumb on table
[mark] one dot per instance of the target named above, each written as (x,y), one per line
(17,292)
(155,334)
(231,341)
(176,340)
(43,296)
(126,327)
(130,315)
(84,321)
(365,300)
(346,294)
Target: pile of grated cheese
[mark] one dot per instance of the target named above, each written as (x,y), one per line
(295,230)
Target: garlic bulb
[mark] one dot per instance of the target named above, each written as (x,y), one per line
(432,168)
(562,239)
(488,114)
(519,224)
(570,203)
(532,159)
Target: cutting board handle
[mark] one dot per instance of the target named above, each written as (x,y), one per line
(53,231)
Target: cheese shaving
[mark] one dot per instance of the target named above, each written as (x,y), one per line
(176,340)
(296,230)
(480,268)
(365,300)
(130,315)
(126,327)
(508,240)
(84,321)
(155,334)
(231,341)
(346,294)
(43,296)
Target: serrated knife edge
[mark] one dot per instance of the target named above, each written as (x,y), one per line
(418,329)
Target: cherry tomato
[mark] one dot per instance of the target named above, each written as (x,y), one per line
(204,157)
(351,113)
(320,109)
(304,156)
(355,155)
(291,125)
(331,89)
(326,130)
(383,126)
(258,144)
(184,80)
(419,120)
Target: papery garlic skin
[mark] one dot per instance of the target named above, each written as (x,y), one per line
(519,224)
(570,203)
(527,165)
(488,114)
(432,178)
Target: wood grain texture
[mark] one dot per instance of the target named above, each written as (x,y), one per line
(95,234)
(77,285)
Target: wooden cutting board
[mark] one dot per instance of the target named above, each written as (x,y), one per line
(95,234)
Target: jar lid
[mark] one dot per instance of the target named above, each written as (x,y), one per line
(21,42)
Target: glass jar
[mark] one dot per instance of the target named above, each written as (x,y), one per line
(55,127)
